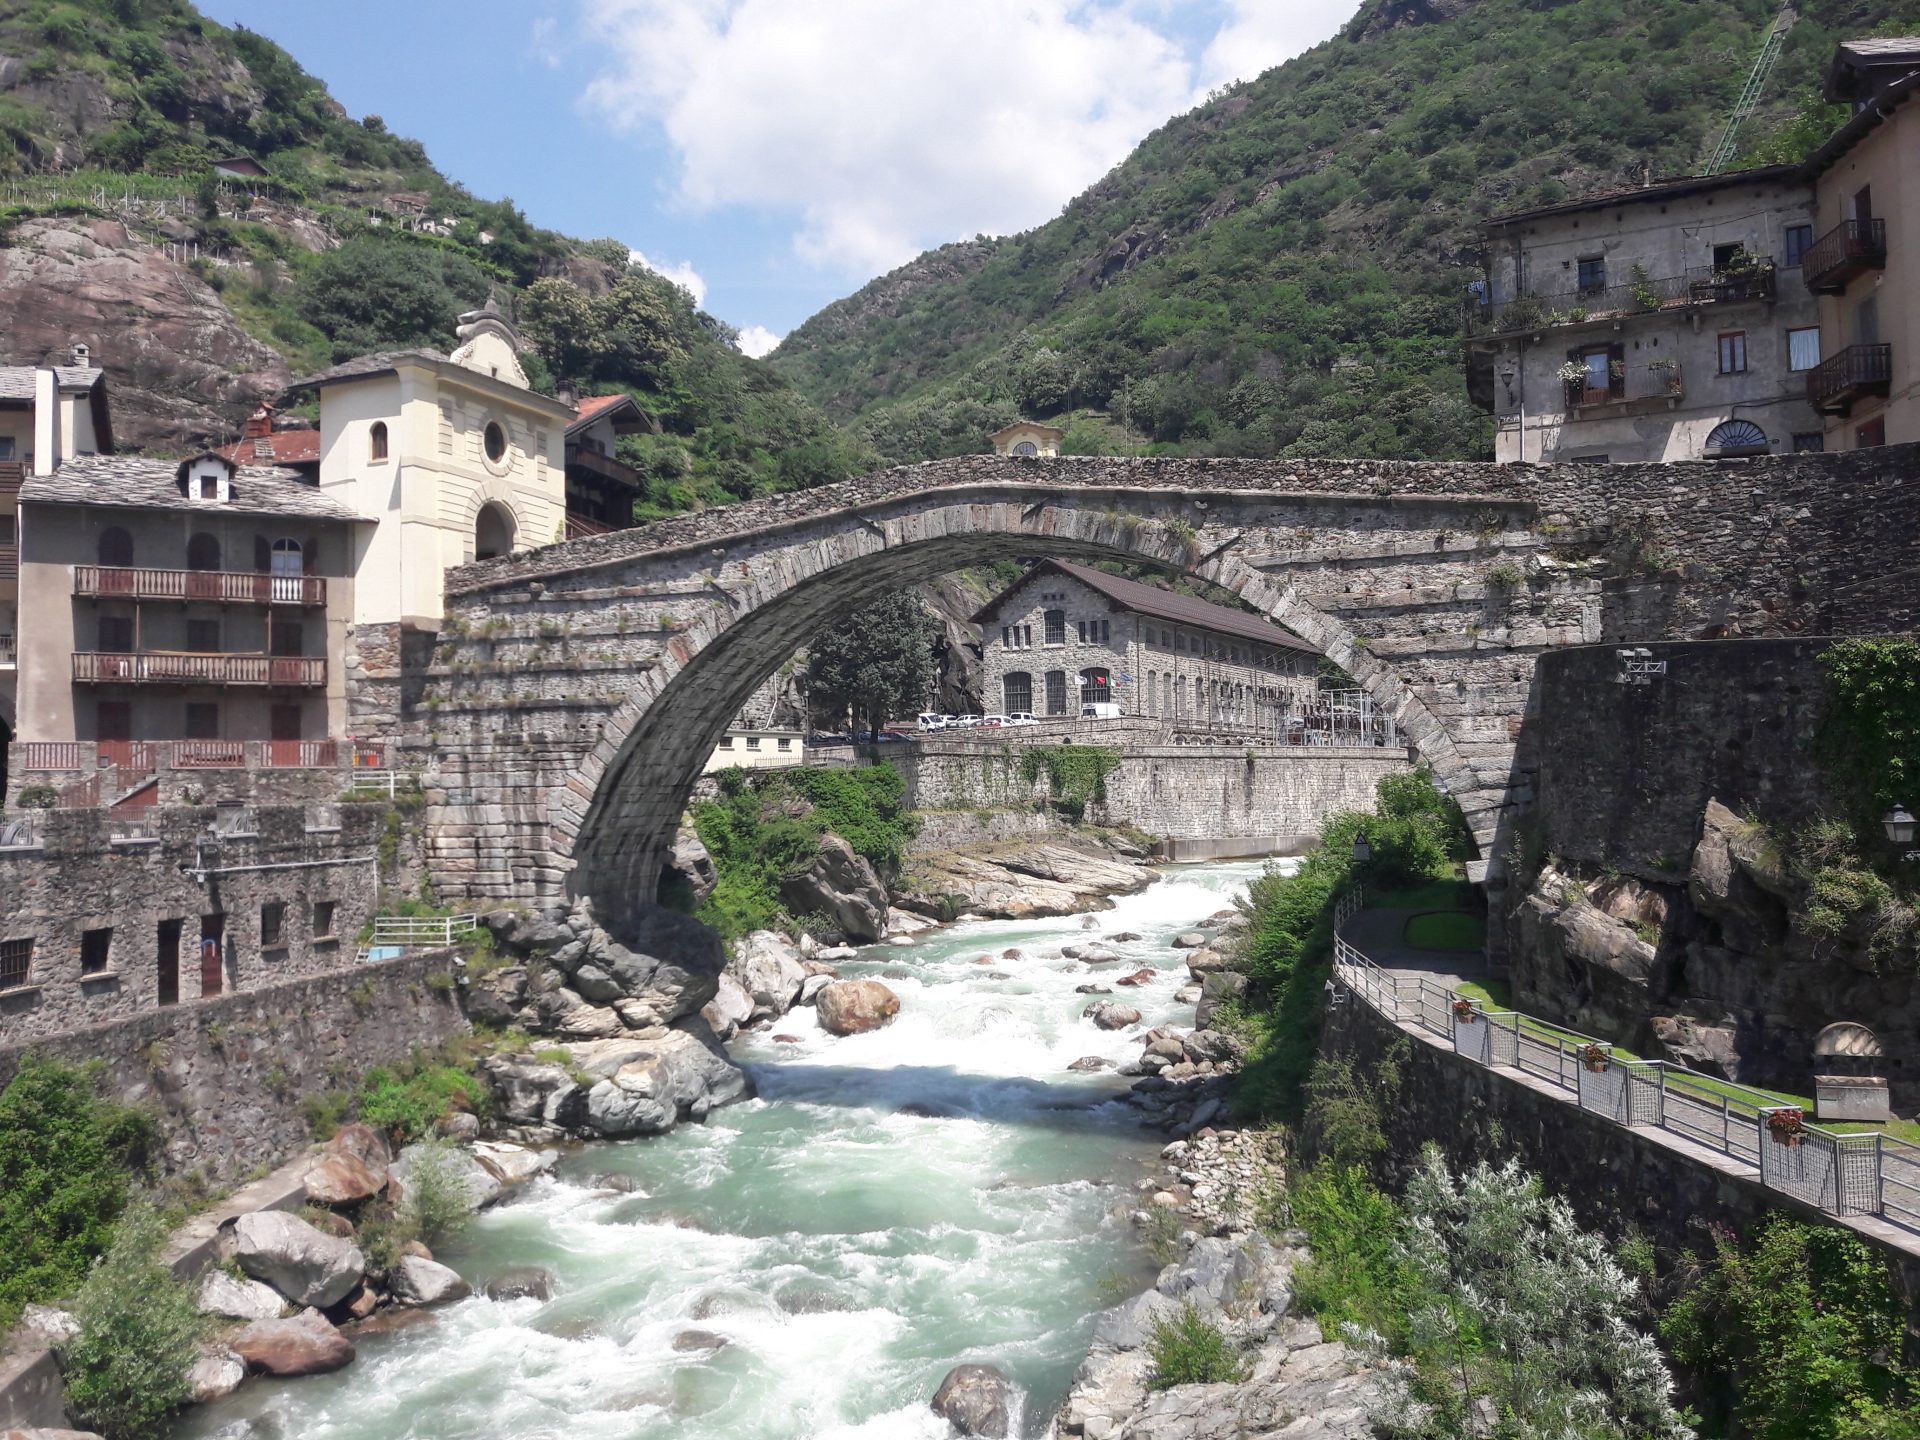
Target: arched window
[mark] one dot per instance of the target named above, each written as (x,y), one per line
(116,547)
(203,552)
(493,532)
(1096,687)
(1016,692)
(495,439)
(1166,696)
(1056,627)
(1026,450)
(377,440)
(1056,692)
(287,571)
(1737,437)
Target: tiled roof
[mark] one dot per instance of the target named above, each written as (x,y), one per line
(137,484)
(16,381)
(1163,605)
(595,405)
(1665,189)
(378,363)
(282,447)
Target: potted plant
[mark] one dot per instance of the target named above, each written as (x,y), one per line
(1787,1125)
(1463,1010)
(1573,375)
(1667,372)
(1596,1057)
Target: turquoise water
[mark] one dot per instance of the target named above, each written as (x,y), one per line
(891,1205)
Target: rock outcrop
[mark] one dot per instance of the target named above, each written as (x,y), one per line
(841,885)
(303,1344)
(975,1400)
(1021,880)
(426,1282)
(853,1007)
(304,1264)
(767,966)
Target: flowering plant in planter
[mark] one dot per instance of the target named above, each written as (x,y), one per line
(1787,1125)
(1596,1057)
(1463,1010)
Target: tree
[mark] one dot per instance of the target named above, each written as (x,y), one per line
(373,293)
(878,662)
(140,1329)
(557,317)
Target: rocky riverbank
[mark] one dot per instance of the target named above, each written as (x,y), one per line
(1025,879)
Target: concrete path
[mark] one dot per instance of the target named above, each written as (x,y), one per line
(1380,936)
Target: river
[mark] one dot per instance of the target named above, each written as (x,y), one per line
(891,1205)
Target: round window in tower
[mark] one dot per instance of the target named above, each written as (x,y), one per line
(495,439)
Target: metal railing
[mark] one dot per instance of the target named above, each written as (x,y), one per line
(433,930)
(1842,1173)
(1701,285)
(145,756)
(1851,248)
(179,667)
(117,582)
(1840,379)
(1635,383)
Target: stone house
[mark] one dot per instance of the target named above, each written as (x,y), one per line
(1067,635)
(1864,267)
(1663,323)
(1028,439)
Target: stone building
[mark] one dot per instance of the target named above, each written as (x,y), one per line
(1663,323)
(1027,439)
(1067,635)
(1865,265)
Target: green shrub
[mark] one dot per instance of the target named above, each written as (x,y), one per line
(437,1206)
(325,1111)
(407,1100)
(1187,1350)
(139,1332)
(37,797)
(66,1157)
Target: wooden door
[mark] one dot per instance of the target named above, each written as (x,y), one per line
(213,973)
(167,957)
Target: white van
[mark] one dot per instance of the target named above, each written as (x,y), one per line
(1021,717)
(931,721)
(1100,710)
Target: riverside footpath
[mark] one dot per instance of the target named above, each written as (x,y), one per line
(1630,1142)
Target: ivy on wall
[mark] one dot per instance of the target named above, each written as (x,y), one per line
(1869,741)
(1076,774)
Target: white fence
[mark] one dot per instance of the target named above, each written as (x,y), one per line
(437,931)
(1841,1173)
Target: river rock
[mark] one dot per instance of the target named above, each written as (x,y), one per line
(1220,986)
(426,1282)
(215,1374)
(1093,990)
(1122,937)
(666,965)
(698,1342)
(1112,1016)
(1205,961)
(1091,1062)
(473,1181)
(535,1092)
(1091,953)
(1141,976)
(237,1298)
(730,1009)
(303,1344)
(905,922)
(841,885)
(521,1282)
(853,1007)
(693,865)
(512,1165)
(352,1167)
(827,955)
(650,1083)
(306,1266)
(975,1400)
(1188,940)
(811,987)
(768,968)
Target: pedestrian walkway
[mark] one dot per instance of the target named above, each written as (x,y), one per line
(1381,936)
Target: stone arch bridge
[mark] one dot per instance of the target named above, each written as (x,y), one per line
(575,691)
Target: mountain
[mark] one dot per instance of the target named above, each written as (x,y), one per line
(1279,271)
(202,294)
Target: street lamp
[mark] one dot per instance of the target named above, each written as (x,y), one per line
(1363,852)
(1899,825)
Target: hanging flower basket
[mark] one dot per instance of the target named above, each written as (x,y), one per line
(1787,1126)
(1463,1011)
(1596,1057)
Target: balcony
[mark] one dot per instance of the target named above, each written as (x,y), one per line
(604,467)
(1756,280)
(9,655)
(106,582)
(12,473)
(9,562)
(1834,386)
(1637,389)
(1849,250)
(145,756)
(173,667)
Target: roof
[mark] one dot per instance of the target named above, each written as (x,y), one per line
(16,381)
(1052,430)
(1667,189)
(1858,65)
(242,164)
(282,447)
(132,483)
(1877,113)
(386,362)
(1160,605)
(622,408)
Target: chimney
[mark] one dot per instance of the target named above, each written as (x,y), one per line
(82,356)
(46,421)
(259,423)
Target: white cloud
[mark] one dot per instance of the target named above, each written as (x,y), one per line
(757,340)
(1259,34)
(680,273)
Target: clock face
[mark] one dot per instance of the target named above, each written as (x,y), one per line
(1026,448)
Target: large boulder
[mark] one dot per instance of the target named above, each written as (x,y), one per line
(975,1400)
(666,965)
(496,997)
(534,1092)
(730,1008)
(352,1167)
(692,866)
(237,1298)
(426,1282)
(512,1165)
(1218,988)
(660,1079)
(475,1183)
(303,1344)
(841,885)
(853,1007)
(1112,1016)
(304,1264)
(768,967)
(215,1374)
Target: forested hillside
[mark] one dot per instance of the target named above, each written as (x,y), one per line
(201,296)
(1279,272)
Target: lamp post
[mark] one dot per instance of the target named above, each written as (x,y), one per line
(1899,825)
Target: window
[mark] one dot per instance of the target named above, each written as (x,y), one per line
(1180,641)
(203,552)
(1096,687)
(495,439)
(1866,321)
(1026,450)
(1080,629)
(1593,272)
(1803,348)
(1729,257)
(785,743)
(1733,352)
(288,636)
(1737,437)
(726,742)
(1026,637)
(1799,240)
(753,742)
(203,720)
(115,634)
(203,636)
(377,441)
(1016,692)
(16,962)
(209,486)
(323,919)
(273,924)
(1056,623)
(1871,434)
(1056,692)
(96,947)
(1006,634)
(1809,442)
(116,547)
(1106,633)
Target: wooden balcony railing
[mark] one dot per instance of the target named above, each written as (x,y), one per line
(605,467)
(579,526)
(127,583)
(12,474)
(135,757)
(1850,249)
(1837,383)
(9,562)
(173,667)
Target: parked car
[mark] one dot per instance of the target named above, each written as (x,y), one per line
(992,722)
(1100,710)
(816,741)
(1021,717)
(967,722)
(929,720)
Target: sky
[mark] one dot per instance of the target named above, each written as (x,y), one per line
(775,155)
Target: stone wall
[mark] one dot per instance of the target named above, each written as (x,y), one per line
(226,1076)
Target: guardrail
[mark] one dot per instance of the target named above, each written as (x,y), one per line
(1841,1173)
(434,930)
(148,755)
(127,582)
(179,667)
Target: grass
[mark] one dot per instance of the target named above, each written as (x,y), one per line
(1450,930)
(1428,895)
